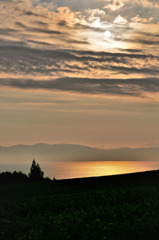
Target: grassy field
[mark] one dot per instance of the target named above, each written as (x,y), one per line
(115,207)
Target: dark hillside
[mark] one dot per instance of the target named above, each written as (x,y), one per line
(113,207)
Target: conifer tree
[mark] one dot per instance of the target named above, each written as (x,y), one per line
(36,173)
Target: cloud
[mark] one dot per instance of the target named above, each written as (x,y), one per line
(38,30)
(35,21)
(138,19)
(73,5)
(141,41)
(120,20)
(125,87)
(95,12)
(25,22)
(114,5)
(25,60)
(65,40)
(154,1)
(145,9)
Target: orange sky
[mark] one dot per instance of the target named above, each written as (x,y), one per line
(79,72)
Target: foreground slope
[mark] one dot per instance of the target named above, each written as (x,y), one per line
(114,207)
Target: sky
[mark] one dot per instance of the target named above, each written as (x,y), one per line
(79,72)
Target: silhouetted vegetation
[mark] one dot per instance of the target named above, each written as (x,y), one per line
(15,177)
(124,207)
(36,173)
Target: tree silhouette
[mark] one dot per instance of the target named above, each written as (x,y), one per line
(36,173)
(10,177)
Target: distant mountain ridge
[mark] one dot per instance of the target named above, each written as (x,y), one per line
(42,147)
(74,152)
(48,152)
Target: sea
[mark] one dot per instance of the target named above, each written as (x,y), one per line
(67,170)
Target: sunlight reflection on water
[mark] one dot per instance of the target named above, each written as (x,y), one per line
(64,170)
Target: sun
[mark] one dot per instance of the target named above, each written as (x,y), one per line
(107,34)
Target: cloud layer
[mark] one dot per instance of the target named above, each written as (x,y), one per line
(104,47)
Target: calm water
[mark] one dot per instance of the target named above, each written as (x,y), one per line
(64,170)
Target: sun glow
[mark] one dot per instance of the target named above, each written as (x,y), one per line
(107,34)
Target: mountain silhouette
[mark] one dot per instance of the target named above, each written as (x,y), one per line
(71,152)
